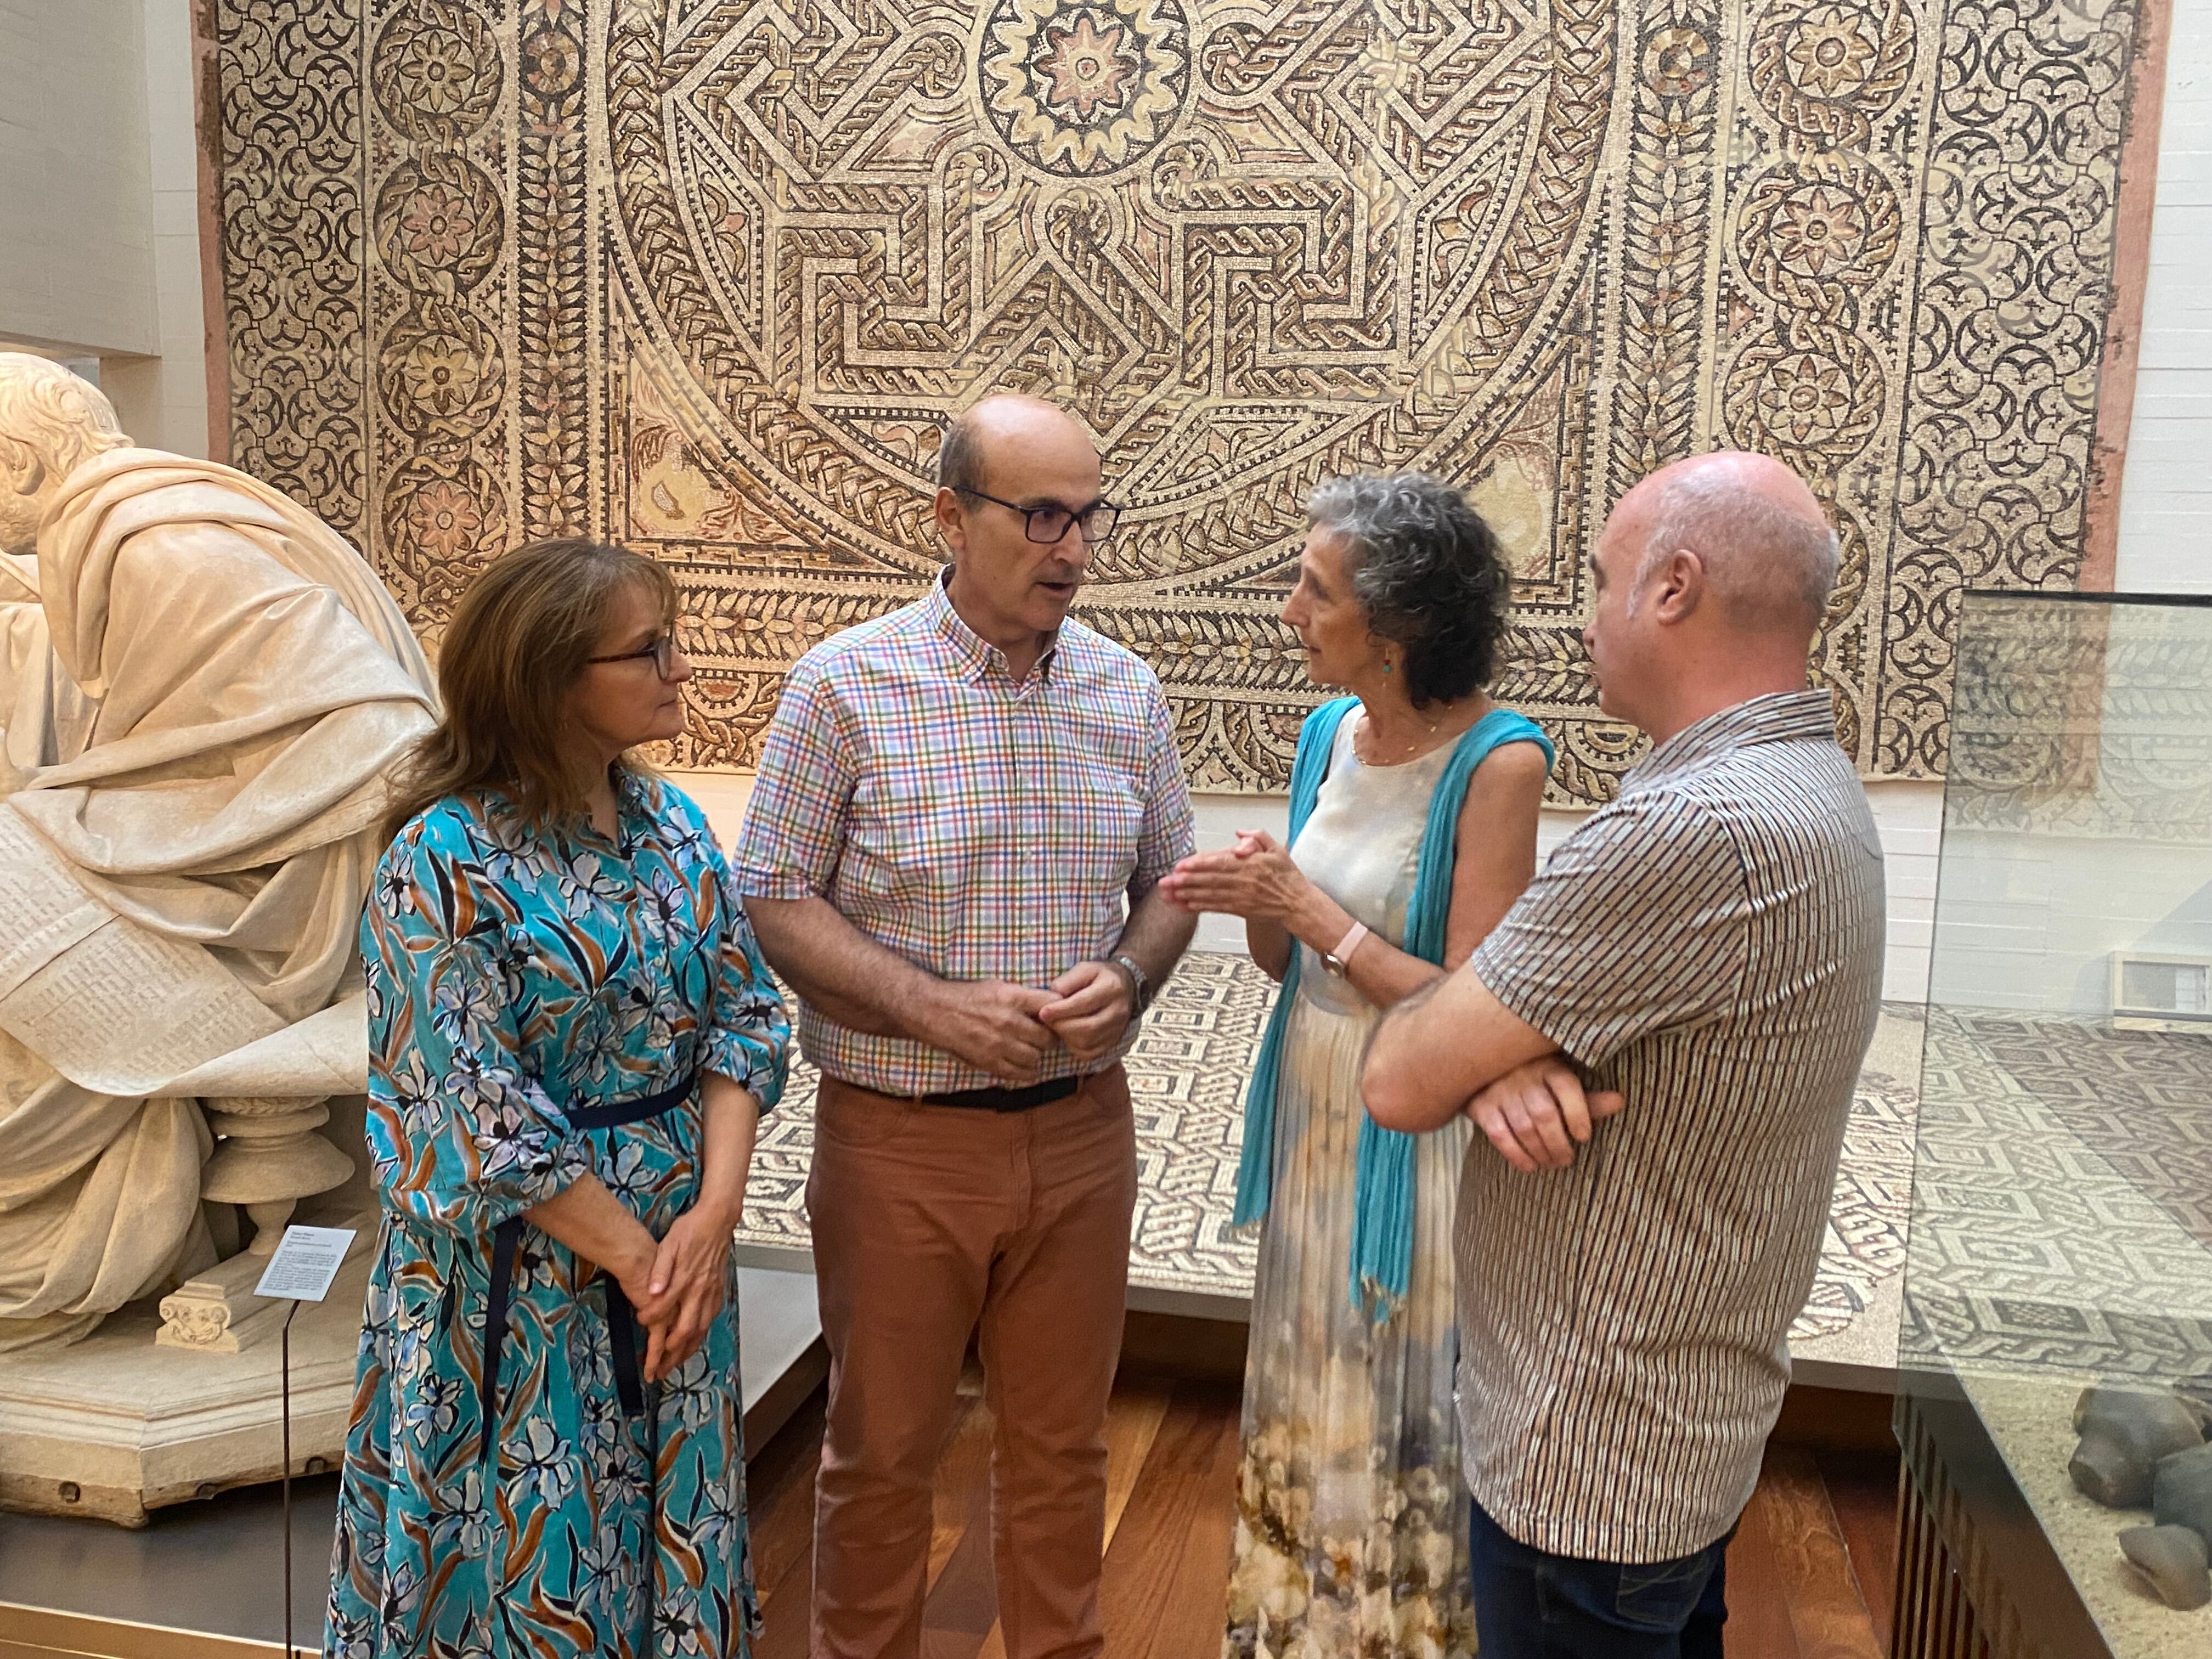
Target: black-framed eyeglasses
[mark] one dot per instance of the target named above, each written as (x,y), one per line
(1048,524)
(663,652)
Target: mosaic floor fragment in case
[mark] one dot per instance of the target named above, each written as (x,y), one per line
(1186,1078)
(708,276)
(2029,1420)
(2062,1220)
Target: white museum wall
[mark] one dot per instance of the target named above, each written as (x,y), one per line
(2166,487)
(77,265)
(166,394)
(2030,921)
(100,251)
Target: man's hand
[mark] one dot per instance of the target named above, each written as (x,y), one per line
(1093,1005)
(993,1026)
(1538,1114)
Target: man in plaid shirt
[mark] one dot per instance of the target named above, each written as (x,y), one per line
(951,851)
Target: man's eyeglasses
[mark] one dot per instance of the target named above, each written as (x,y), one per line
(1048,524)
(663,652)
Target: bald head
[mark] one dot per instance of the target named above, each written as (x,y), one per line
(1018,493)
(1004,420)
(1769,556)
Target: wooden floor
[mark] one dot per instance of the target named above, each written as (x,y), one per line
(1809,1573)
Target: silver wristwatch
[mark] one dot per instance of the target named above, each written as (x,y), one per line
(1141,982)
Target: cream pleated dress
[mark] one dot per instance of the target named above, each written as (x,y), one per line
(1352,1528)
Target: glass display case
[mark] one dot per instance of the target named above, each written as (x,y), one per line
(2061,1234)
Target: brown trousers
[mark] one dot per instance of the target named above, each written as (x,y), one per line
(929,1220)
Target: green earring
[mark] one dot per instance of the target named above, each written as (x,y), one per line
(1389,667)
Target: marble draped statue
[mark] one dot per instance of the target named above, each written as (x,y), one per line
(202,686)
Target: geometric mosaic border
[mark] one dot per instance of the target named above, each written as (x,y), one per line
(1188,1075)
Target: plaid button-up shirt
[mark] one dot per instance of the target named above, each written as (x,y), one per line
(980,828)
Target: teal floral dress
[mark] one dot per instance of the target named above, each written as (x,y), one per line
(516,976)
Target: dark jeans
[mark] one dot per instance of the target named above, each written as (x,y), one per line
(1532,1605)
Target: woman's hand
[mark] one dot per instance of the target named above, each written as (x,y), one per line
(690,1276)
(600,1228)
(1254,879)
(684,1289)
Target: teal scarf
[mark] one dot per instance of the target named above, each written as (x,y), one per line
(1382,1215)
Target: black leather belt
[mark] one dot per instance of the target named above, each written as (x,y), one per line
(639,1398)
(1008,1100)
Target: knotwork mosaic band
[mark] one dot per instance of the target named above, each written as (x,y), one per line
(707,274)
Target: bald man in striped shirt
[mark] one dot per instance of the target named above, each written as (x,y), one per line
(1708,950)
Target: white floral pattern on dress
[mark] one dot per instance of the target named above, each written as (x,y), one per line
(1352,1515)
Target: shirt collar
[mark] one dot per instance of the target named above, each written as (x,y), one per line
(634,813)
(1778,717)
(977,656)
(633,795)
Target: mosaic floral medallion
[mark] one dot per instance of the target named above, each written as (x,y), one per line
(1827,72)
(726,268)
(441,375)
(446,71)
(438,223)
(1086,89)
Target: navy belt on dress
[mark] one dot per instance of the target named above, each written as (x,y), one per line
(1008,1100)
(639,1398)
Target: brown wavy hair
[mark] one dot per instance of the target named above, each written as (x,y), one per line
(516,645)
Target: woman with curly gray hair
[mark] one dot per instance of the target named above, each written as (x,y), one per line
(1412,829)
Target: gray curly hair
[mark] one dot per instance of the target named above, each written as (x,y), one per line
(1427,570)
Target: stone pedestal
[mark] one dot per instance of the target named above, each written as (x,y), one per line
(218,1311)
(115,1426)
(267,1158)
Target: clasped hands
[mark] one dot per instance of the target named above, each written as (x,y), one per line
(677,1285)
(1006,1028)
(1535,1115)
(1255,878)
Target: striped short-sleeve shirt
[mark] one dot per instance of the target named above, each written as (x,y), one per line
(981,828)
(1710,945)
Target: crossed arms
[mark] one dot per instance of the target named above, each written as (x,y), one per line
(1453,1047)
(1636,926)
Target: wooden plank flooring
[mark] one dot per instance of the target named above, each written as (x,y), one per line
(1809,1573)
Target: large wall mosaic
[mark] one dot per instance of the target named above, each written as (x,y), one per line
(709,275)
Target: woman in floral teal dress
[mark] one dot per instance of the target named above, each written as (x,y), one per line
(571,1037)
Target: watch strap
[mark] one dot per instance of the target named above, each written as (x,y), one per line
(1141,982)
(1339,961)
